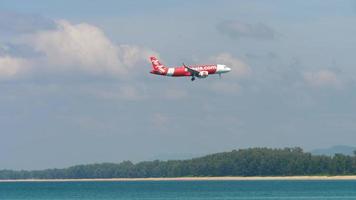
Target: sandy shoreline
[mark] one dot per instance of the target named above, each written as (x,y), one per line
(233,178)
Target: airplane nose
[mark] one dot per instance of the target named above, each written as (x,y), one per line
(228,69)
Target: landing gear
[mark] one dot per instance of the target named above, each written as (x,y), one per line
(193,78)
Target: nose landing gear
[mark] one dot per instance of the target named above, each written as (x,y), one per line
(193,78)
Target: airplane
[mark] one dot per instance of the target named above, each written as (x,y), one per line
(200,71)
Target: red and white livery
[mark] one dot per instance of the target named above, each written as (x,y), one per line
(200,71)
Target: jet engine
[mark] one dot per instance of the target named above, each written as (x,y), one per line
(203,74)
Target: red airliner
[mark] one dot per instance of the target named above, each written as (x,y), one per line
(200,71)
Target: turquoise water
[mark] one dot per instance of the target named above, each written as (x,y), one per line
(187,190)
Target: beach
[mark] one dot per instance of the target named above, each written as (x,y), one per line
(227,178)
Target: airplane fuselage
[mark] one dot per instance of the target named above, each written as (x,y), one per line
(182,71)
(200,71)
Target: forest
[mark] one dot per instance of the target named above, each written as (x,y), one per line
(243,162)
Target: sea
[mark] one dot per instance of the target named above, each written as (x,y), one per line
(179,190)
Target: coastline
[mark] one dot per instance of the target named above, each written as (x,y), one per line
(227,178)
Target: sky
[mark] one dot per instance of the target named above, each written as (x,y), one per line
(76,89)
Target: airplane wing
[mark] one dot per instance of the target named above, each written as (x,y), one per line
(192,71)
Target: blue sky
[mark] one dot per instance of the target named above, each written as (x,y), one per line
(75,86)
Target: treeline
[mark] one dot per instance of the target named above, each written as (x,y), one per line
(243,162)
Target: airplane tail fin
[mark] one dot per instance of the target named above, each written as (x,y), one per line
(155,63)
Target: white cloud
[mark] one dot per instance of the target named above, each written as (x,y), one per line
(321,78)
(238,68)
(12,66)
(74,48)
(132,54)
(80,46)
